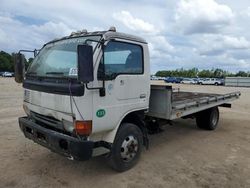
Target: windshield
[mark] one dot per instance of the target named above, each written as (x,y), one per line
(59,59)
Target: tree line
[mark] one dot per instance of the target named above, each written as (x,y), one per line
(7,61)
(194,72)
(7,64)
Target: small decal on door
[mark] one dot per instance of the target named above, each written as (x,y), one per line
(73,72)
(100,113)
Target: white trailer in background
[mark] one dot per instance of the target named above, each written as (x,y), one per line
(237,81)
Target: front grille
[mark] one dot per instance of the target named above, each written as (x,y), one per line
(47,121)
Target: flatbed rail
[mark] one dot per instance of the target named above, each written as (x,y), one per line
(184,108)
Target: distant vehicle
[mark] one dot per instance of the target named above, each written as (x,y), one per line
(211,81)
(196,80)
(161,78)
(7,74)
(188,81)
(222,81)
(154,78)
(199,80)
(173,80)
(157,78)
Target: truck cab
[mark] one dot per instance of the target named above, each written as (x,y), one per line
(79,118)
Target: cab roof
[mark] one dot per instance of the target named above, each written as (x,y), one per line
(107,35)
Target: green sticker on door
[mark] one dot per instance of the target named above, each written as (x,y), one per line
(100,113)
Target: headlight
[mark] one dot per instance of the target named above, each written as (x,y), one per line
(68,125)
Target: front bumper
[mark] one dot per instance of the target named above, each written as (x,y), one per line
(55,141)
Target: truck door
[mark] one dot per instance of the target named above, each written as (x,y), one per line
(124,70)
(127,68)
(127,87)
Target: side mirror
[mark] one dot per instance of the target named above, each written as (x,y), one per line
(19,67)
(85,63)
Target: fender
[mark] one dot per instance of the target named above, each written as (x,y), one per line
(136,117)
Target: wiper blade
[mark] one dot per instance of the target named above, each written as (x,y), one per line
(57,73)
(31,73)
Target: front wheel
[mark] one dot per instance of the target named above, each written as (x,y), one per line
(126,149)
(208,119)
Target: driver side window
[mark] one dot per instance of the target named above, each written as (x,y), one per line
(121,58)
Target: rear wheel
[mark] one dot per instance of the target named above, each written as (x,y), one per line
(126,149)
(208,119)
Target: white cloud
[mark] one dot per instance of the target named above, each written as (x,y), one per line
(159,47)
(246,12)
(158,44)
(133,23)
(52,29)
(206,16)
(218,44)
(15,35)
(218,30)
(236,43)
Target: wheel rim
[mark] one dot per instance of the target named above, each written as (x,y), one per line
(129,148)
(215,116)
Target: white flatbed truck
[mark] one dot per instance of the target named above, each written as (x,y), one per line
(89,94)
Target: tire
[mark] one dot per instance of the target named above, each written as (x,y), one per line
(127,147)
(216,84)
(208,119)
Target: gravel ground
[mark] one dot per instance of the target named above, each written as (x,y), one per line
(180,156)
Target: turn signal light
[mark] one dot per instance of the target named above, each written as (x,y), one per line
(83,127)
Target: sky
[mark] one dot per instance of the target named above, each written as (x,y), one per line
(204,34)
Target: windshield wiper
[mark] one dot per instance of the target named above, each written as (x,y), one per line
(31,73)
(57,73)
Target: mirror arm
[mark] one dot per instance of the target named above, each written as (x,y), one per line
(102,89)
(99,42)
(94,88)
(35,52)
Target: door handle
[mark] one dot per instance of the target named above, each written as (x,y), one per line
(122,82)
(142,96)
